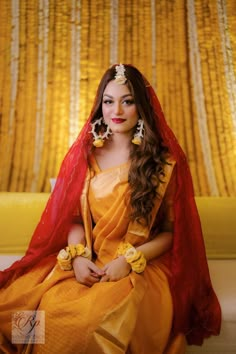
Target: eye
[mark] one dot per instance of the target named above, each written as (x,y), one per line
(107,101)
(128,102)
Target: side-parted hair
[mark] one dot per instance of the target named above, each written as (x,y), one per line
(147,160)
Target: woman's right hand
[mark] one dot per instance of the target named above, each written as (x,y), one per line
(86,272)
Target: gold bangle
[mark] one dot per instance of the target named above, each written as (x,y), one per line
(65,256)
(135,258)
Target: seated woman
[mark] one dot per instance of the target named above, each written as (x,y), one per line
(117,262)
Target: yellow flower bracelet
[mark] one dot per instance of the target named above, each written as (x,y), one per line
(65,256)
(135,258)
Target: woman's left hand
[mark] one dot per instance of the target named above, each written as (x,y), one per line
(116,269)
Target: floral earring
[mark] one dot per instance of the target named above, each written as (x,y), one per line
(137,139)
(98,138)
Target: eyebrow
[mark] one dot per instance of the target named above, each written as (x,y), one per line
(127,95)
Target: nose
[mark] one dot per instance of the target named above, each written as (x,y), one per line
(118,108)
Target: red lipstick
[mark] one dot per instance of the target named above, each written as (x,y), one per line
(118,120)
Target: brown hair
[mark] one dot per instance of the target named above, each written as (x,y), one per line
(147,159)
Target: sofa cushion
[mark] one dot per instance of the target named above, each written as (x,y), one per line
(218,219)
(19,215)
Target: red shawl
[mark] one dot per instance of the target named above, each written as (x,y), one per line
(196,308)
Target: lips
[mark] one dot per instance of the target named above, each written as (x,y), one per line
(118,120)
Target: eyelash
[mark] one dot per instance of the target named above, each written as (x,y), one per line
(127,102)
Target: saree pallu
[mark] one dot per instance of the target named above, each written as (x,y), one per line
(133,315)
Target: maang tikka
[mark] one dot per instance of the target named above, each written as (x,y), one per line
(120,77)
(98,138)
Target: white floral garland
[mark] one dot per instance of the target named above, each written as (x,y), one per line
(14,59)
(43,20)
(114,28)
(154,59)
(75,71)
(228,58)
(195,66)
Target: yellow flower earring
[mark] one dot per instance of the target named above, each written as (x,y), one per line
(98,138)
(137,139)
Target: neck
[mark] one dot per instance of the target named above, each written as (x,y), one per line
(120,141)
(115,151)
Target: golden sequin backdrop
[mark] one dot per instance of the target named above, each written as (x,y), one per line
(53,53)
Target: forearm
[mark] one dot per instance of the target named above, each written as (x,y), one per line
(158,246)
(76,235)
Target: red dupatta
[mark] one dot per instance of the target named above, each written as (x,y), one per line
(197,311)
(196,308)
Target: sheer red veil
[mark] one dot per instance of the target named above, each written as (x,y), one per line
(196,308)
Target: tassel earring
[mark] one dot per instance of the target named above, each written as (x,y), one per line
(137,139)
(98,138)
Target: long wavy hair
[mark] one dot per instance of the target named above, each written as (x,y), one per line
(147,160)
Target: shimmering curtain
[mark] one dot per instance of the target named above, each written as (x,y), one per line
(53,53)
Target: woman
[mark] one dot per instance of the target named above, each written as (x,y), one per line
(131,273)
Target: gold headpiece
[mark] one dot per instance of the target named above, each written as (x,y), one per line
(120,77)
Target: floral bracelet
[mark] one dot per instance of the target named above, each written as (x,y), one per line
(65,256)
(135,258)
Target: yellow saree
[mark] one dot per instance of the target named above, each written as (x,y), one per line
(133,315)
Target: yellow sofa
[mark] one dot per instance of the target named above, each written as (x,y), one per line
(20,212)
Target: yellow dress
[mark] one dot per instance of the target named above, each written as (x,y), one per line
(133,315)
